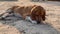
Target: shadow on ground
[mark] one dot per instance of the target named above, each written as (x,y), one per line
(28,28)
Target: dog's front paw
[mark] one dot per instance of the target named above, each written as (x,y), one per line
(34,22)
(30,20)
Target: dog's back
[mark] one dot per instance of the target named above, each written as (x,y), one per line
(24,10)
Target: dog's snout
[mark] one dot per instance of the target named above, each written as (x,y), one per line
(38,22)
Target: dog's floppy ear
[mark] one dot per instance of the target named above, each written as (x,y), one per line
(32,12)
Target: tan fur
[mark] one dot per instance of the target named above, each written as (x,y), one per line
(24,10)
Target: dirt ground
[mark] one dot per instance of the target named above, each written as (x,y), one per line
(52,25)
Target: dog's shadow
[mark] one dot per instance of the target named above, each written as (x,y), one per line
(14,21)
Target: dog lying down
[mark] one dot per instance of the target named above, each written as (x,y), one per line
(35,13)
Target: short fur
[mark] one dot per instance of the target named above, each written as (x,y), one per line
(36,12)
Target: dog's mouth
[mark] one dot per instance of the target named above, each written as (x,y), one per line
(38,22)
(38,19)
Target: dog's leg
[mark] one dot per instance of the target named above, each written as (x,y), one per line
(28,18)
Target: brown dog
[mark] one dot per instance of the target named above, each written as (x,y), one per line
(36,13)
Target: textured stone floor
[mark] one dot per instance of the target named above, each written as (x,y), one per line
(52,25)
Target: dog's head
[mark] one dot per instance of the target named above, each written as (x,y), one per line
(38,13)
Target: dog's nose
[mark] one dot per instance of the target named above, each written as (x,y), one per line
(2,18)
(38,22)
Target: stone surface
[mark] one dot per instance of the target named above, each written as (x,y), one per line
(6,29)
(52,25)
